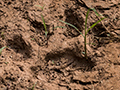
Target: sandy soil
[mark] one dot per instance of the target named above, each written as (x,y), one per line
(33,62)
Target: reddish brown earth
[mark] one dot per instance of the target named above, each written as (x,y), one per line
(57,63)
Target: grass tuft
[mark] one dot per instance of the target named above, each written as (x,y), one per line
(46,31)
(86,30)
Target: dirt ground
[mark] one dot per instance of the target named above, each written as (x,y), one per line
(33,62)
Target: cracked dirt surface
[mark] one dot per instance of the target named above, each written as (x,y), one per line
(57,62)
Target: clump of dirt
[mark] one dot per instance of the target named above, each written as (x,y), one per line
(56,62)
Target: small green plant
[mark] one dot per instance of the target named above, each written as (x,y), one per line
(2,49)
(32,39)
(45,27)
(6,63)
(40,6)
(86,30)
(58,27)
(2,33)
(46,31)
(53,62)
(34,86)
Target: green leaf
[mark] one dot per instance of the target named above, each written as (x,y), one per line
(59,27)
(46,32)
(40,6)
(108,35)
(34,86)
(95,11)
(2,49)
(86,21)
(93,44)
(32,39)
(53,62)
(95,24)
(83,53)
(6,63)
(2,33)
(97,14)
(72,26)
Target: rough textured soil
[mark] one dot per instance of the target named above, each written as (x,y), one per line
(32,61)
